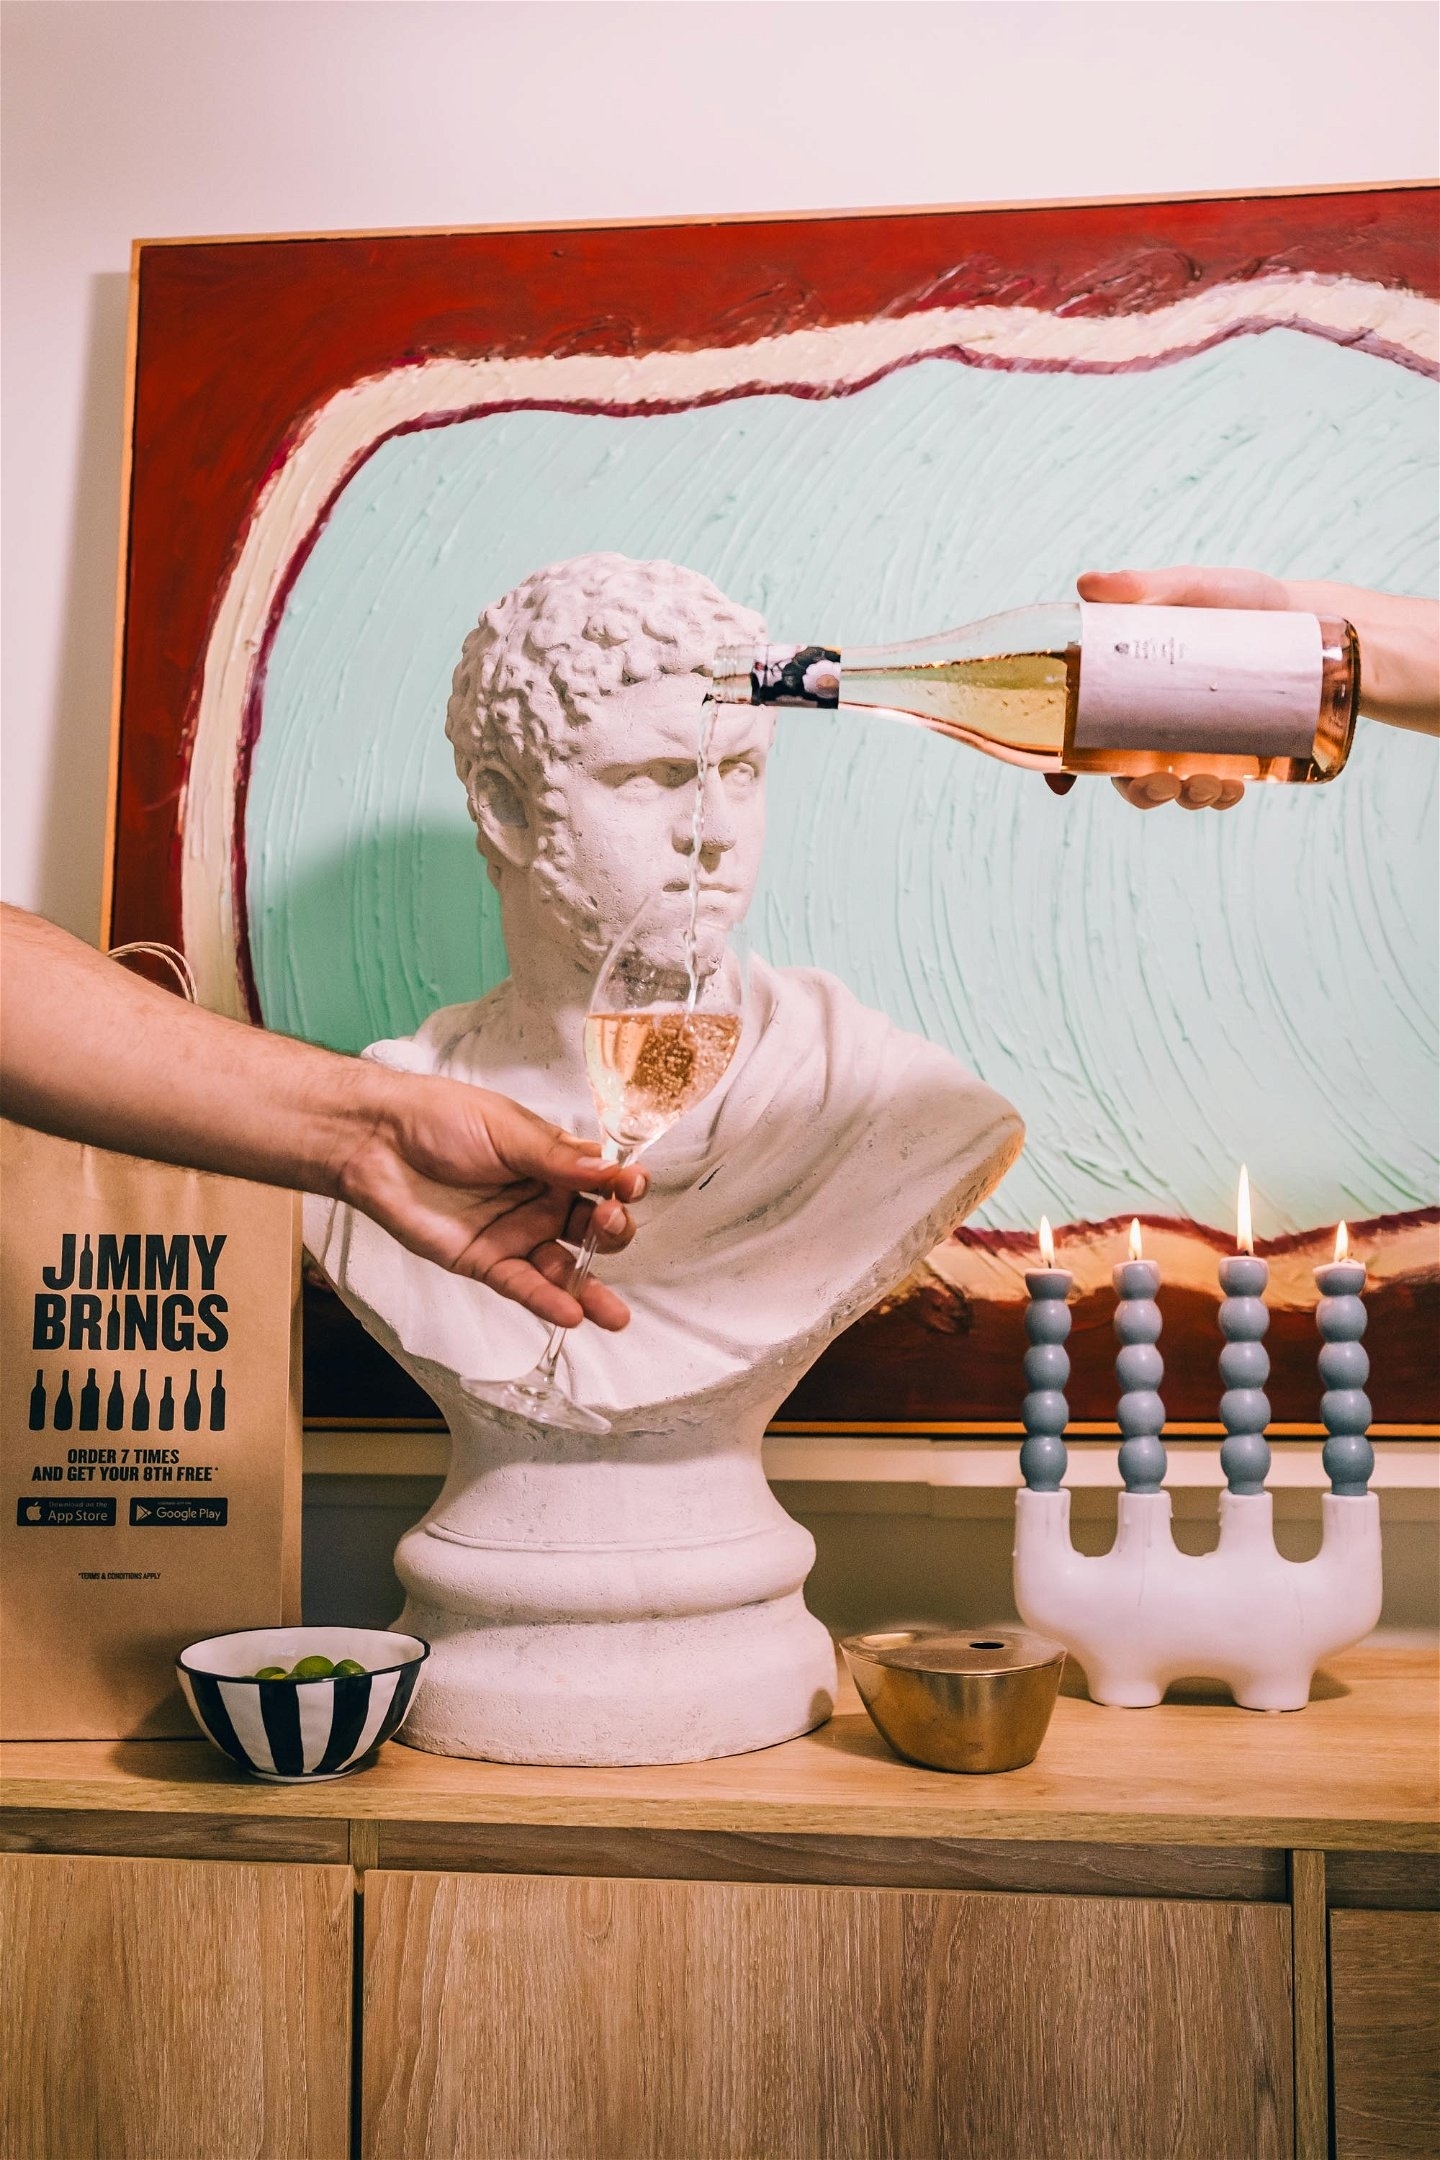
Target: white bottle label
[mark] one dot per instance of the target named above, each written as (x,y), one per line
(1240,680)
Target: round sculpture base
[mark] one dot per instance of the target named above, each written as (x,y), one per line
(624,1691)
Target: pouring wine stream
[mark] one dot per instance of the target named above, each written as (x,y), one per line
(649,1060)
(704,731)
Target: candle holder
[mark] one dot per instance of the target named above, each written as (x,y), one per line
(1145,1614)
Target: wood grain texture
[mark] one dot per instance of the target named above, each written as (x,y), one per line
(706,2021)
(1309,1985)
(174,2010)
(1355,1769)
(1390,1882)
(877,1863)
(188,1837)
(1385,2003)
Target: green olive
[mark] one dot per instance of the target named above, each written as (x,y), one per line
(272,1672)
(347,1668)
(312,1668)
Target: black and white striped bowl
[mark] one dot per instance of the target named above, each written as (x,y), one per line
(293,1730)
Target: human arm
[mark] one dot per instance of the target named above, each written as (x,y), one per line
(460,1175)
(1399,651)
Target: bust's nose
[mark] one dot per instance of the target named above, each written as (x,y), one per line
(718,829)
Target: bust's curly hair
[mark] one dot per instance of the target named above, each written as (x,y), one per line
(539,661)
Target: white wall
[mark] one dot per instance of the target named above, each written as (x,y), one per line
(158,117)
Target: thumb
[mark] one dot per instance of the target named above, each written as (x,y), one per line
(578,1165)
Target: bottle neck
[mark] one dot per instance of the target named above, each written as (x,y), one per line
(823,677)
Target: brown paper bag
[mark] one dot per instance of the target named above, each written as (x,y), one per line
(149,1430)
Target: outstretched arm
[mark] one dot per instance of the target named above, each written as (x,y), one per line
(463,1177)
(1399,651)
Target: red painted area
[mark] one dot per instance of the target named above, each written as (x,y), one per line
(239,342)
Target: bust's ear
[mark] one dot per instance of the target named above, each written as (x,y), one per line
(501,818)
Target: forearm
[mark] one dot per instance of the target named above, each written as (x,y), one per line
(90,1051)
(1399,649)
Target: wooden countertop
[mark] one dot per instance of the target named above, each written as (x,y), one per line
(1356,1770)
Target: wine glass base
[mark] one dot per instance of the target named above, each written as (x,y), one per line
(542,1400)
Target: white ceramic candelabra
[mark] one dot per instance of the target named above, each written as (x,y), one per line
(1144,1614)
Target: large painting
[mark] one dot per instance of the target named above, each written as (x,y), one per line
(869,427)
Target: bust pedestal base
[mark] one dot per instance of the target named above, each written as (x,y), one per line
(622,1691)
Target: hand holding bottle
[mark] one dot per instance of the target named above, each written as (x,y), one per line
(1399,653)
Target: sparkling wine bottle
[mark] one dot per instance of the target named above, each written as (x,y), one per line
(64,1404)
(90,1404)
(115,1406)
(140,1408)
(1076,687)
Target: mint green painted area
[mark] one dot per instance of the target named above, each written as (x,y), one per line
(1161,994)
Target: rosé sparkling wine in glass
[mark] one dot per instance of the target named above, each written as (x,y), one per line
(648,1068)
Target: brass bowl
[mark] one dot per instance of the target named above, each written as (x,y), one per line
(977,1699)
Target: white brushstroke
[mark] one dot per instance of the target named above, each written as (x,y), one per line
(343,431)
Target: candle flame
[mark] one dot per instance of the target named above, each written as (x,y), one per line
(1137,1250)
(1244,1235)
(1047,1243)
(1342,1242)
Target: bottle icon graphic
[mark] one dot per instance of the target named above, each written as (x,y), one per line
(217,1402)
(140,1408)
(191,1412)
(165,1415)
(115,1406)
(64,1406)
(37,1404)
(89,1404)
(112,1324)
(87,1264)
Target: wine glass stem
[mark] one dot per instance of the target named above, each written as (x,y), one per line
(546,1368)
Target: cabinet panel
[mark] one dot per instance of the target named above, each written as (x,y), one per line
(1385,2013)
(174,2010)
(542,2018)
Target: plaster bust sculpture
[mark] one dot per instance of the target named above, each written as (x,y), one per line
(637,1597)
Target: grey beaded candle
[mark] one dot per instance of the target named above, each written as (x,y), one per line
(1345,1410)
(1244,1361)
(1045,1412)
(1139,1369)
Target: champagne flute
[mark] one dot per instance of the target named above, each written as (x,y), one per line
(663,1024)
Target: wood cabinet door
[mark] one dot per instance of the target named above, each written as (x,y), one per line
(1385,2023)
(174,2010)
(512,2017)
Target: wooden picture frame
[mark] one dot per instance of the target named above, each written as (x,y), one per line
(243,350)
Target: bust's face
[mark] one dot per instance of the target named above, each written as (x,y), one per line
(628,792)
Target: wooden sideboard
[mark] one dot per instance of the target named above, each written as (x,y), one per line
(1191,1931)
